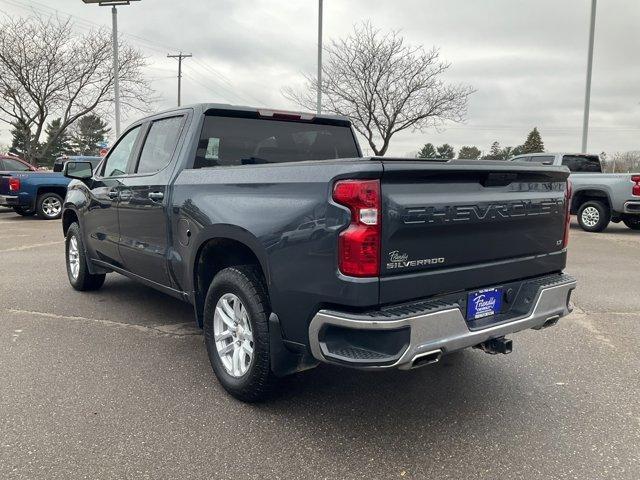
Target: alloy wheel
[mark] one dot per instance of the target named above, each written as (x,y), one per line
(73,257)
(232,335)
(51,206)
(590,216)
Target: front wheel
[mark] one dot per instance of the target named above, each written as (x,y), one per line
(236,333)
(79,276)
(49,206)
(594,216)
(632,221)
(24,211)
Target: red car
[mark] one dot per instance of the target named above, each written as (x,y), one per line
(14,164)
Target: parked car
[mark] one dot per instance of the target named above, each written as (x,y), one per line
(58,165)
(30,193)
(410,259)
(14,164)
(598,198)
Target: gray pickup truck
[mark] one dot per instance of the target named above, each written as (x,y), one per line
(598,198)
(294,249)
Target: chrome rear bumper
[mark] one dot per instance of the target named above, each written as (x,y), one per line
(432,333)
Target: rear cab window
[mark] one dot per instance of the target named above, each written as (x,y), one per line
(252,140)
(14,165)
(160,144)
(582,163)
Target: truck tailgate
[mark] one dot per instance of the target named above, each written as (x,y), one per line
(4,183)
(468,224)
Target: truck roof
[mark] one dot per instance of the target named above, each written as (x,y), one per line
(205,107)
(543,154)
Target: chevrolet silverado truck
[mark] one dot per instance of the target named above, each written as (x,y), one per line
(598,198)
(30,193)
(403,261)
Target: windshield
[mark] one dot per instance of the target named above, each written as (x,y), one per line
(229,141)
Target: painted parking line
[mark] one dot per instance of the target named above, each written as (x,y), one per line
(27,247)
(172,329)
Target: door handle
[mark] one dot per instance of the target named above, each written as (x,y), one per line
(125,195)
(155,196)
(112,194)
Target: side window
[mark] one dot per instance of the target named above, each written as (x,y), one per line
(160,144)
(116,163)
(521,159)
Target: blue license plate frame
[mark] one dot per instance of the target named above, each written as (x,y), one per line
(484,303)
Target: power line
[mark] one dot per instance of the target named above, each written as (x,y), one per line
(86,24)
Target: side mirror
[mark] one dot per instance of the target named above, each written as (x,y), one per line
(78,170)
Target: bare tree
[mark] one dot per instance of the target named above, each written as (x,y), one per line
(384,86)
(622,162)
(48,71)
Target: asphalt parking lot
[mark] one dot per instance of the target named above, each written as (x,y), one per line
(116,384)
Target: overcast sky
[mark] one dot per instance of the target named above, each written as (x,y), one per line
(526,58)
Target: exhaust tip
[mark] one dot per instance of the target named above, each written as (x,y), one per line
(426,358)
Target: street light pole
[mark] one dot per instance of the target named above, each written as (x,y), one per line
(116,63)
(319,105)
(116,69)
(587,94)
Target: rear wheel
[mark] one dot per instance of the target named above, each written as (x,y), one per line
(594,216)
(632,221)
(236,333)
(79,276)
(49,206)
(24,211)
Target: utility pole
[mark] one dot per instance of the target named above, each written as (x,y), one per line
(180,56)
(587,94)
(116,68)
(319,105)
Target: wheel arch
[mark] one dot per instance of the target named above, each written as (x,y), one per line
(57,189)
(220,247)
(69,216)
(586,194)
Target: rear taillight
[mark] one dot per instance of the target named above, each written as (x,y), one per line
(636,185)
(567,208)
(14,184)
(359,244)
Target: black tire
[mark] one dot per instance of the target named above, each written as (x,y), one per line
(44,209)
(594,216)
(632,221)
(24,211)
(83,281)
(245,282)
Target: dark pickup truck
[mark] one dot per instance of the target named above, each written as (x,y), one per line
(294,249)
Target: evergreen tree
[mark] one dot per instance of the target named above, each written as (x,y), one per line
(446,151)
(495,152)
(506,153)
(519,150)
(469,153)
(57,146)
(89,132)
(21,138)
(428,151)
(534,143)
